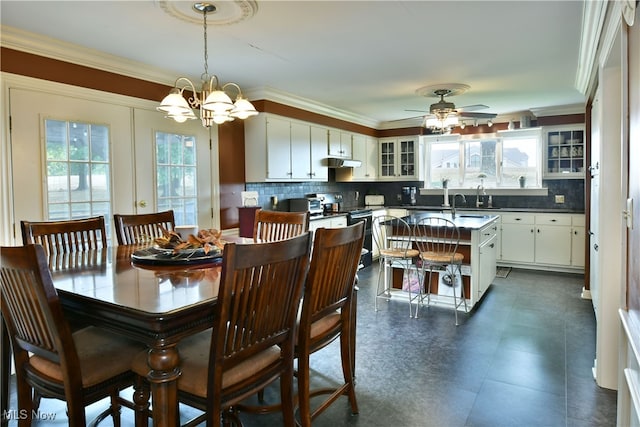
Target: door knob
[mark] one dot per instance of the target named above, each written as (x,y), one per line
(142,203)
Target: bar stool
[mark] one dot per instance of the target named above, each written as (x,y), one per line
(437,239)
(394,239)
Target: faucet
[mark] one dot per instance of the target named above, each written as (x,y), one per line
(480,189)
(453,203)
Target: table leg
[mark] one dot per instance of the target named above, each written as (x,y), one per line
(164,364)
(5,372)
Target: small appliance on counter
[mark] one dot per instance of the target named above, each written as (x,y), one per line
(313,205)
(409,195)
(374,200)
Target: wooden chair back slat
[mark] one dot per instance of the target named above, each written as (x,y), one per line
(142,228)
(58,237)
(271,226)
(260,290)
(336,254)
(30,305)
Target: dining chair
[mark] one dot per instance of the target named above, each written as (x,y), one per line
(270,226)
(51,361)
(75,235)
(142,228)
(327,313)
(437,239)
(394,238)
(252,340)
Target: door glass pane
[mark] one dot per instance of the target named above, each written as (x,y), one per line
(78,170)
(176,166)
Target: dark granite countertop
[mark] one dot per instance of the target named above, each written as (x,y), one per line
(490,211)
(472,222)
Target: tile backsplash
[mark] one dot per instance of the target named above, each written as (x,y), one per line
(353,194)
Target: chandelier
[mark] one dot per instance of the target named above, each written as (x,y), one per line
(214,103)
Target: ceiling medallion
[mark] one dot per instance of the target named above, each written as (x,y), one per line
(434,90)
(226,12)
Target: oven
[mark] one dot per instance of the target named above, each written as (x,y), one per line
(366,216)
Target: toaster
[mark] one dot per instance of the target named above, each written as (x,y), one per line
(374,200)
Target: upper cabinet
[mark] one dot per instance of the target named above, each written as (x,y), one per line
(279,149)
(563,152)
(365,149)
(340,143)
(399,158)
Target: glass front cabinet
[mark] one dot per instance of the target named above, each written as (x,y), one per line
(564,152)
(399,158)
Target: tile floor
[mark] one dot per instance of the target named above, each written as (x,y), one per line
(523,357)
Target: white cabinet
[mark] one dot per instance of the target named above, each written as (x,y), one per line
(337,221)
(339,143)
(375,249)
(553,239)
(564,151)
(517,237)
(486,259)
(399,158)
(279,149)
(544,240)
(365,149)
(319,170)
(577,240)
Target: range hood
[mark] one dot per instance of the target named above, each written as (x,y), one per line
(336,162)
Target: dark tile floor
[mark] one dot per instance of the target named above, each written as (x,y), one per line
(523,357)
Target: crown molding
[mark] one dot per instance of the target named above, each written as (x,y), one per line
(559,110)
(24,41)
(282,97)
(592,23)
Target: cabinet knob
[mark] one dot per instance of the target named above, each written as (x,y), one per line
(142,203)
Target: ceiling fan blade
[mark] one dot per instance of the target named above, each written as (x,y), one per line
(474,107)
(406,118)
(472,115)
(418,111)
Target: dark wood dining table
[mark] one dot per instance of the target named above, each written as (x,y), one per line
(156,304)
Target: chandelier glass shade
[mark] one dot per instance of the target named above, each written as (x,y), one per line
(213,101)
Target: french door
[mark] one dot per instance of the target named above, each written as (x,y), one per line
(74,157)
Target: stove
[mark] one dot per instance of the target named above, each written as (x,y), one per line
(359,214)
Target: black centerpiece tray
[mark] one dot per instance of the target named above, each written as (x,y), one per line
(159,256)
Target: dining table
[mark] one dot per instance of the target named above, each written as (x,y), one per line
(155,300)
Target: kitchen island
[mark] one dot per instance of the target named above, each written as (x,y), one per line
(478,243)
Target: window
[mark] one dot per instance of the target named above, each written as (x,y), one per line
(78,170)
(495,160)
(176,186)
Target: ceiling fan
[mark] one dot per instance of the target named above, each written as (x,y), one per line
(444,114)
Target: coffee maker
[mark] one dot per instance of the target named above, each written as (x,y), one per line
(409,195)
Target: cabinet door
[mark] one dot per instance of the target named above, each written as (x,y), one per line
(387,158)
(359,151)
(487,265)
(370,164)
(339,143)
(319,170)
(553,244)
(407,156)
(564,152)
(300,151)
(518,242)
(345,144)
(278,148)
(577,246)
